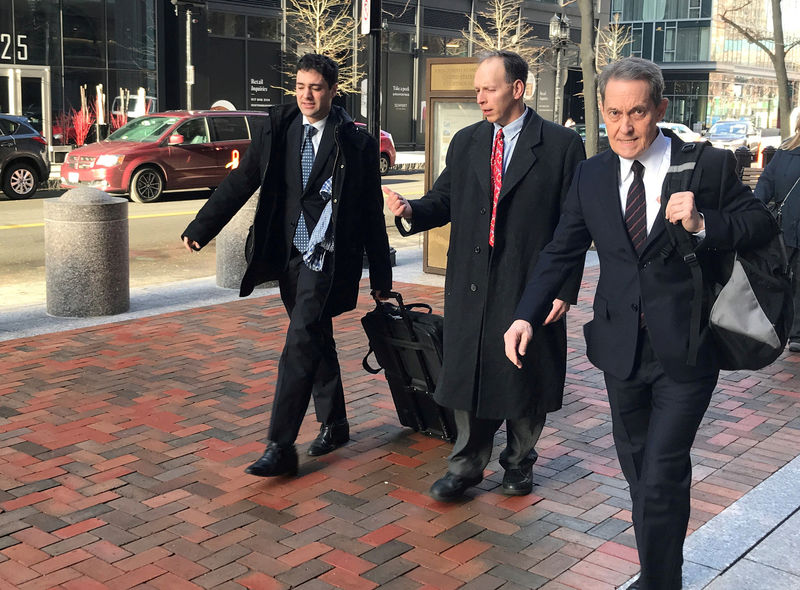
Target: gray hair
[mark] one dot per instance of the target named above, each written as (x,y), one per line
(634,68)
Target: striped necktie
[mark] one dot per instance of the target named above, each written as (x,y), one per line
(636,208)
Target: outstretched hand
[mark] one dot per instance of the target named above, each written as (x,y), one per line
(397,204)
(516,339)
(190,245)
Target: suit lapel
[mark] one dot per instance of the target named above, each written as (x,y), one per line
(524,156)
(325,148)
(480,155)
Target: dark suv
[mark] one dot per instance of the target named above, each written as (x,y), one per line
(23,157)
(175,150)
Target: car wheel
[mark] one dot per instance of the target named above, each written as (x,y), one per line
(20,181)
(147,185)
(384,165)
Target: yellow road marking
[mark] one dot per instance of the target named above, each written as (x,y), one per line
(148,216)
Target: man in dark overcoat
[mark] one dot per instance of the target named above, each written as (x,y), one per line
(501,191)
(319,208)
(640,333)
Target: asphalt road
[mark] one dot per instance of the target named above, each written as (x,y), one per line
(156,253)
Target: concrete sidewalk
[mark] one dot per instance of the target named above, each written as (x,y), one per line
(122,444)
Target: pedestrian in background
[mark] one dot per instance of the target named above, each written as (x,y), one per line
(501,190)
(319,208)
(779,184)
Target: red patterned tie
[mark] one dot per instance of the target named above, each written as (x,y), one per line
(497,179)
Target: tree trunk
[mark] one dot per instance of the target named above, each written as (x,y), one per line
(589,75)
(779,61)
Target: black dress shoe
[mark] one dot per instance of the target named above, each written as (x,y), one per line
(634,586)
(276,460)
(452,487)
(330,437)
(518,482)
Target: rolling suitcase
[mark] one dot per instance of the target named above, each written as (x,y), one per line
(408,346)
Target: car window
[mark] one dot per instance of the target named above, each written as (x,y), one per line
(194,131)
(228,128)
(256,123)
(147,129)
(8,127)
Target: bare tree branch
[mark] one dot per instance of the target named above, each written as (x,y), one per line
(504,30)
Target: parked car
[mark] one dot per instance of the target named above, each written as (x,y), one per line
(731,134)
(681,130)
(174,150)
(388,153)
(602,140)
(23,157)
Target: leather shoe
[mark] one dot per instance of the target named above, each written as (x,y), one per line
(794,345)
(634,586)
(276,460)
(330,438)
(452,487)
(518,482)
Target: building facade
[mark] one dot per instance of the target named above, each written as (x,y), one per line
(711,71)
(51,50)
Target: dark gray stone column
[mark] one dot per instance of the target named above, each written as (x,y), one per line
(231,262)
(86,254)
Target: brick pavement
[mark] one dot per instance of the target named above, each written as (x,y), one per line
(122,448)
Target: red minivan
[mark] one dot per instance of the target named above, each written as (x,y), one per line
(174,150)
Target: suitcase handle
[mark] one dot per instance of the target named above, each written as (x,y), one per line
(367,367)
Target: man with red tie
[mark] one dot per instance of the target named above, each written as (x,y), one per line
(501,191)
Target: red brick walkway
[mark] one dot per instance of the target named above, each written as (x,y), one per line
(122,448)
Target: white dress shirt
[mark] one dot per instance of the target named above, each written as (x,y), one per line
(317,137)
(655,160)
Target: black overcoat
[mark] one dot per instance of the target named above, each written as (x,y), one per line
(775,182)
(483,284)
(357,205)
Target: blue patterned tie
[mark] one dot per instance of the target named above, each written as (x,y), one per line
(306,162)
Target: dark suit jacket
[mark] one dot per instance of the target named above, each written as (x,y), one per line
(659,280)
(357,203)
(484,284)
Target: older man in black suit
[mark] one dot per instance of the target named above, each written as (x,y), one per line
(319,208)
(501,191)
(640,333)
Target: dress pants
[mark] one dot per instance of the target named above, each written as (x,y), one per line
(475,439)
(655,420)
(309,363)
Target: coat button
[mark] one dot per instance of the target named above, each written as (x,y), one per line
(336,200)
(477,249)
(635,306)
(473,287)
(483,210)
(341,165)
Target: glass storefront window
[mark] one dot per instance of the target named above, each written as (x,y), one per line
(440,45)
(84,33)
(265,28)
(34,39)
(397,41)
(131,34)
(222,24)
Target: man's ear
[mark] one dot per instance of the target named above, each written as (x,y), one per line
(519,89)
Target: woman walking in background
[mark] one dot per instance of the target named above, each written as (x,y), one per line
(779,184)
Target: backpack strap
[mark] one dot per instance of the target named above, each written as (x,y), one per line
(681,177)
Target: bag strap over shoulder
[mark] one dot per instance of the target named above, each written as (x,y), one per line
(681,177)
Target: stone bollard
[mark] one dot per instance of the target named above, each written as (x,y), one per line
(231,262)
(86,260)
(743,158)
(767,154)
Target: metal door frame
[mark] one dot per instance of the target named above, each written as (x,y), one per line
(15,74)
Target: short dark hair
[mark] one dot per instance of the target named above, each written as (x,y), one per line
(516,67)
(634,68)
(322,64)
